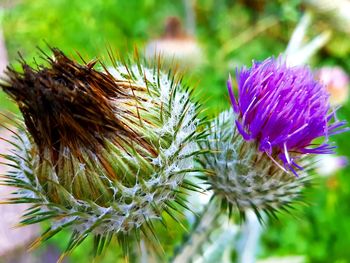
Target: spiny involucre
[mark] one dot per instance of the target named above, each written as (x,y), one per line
(102,152)
(258,150)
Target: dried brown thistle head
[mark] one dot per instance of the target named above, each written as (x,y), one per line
(66,104)
(106,153)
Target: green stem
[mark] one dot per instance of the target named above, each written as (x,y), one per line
(194,240)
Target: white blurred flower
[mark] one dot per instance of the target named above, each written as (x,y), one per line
(337,83)
(175,47)
(329,164)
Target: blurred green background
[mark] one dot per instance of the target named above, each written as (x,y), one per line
(230,34)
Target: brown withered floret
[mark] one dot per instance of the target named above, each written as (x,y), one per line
(65,104)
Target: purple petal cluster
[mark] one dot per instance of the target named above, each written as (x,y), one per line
(283,109)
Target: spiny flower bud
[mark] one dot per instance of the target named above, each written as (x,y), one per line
(103,152)
(257,148)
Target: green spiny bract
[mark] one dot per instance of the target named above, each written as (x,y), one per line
(243,177)
(101,152)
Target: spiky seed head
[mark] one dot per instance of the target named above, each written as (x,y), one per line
(102,152)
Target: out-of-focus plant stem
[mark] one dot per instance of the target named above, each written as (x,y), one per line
(251,232)
(246,36)
(207,221)
(190,16)
(299,54)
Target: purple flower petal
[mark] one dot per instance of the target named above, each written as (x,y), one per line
(232,96)
(284,109)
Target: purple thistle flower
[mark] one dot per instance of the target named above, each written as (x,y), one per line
(283,109)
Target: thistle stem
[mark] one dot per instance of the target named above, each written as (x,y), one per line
(190,16)
(251,233)
(206,222)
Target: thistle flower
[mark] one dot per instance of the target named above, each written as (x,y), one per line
(102,152)
(283,110)
(258,150)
